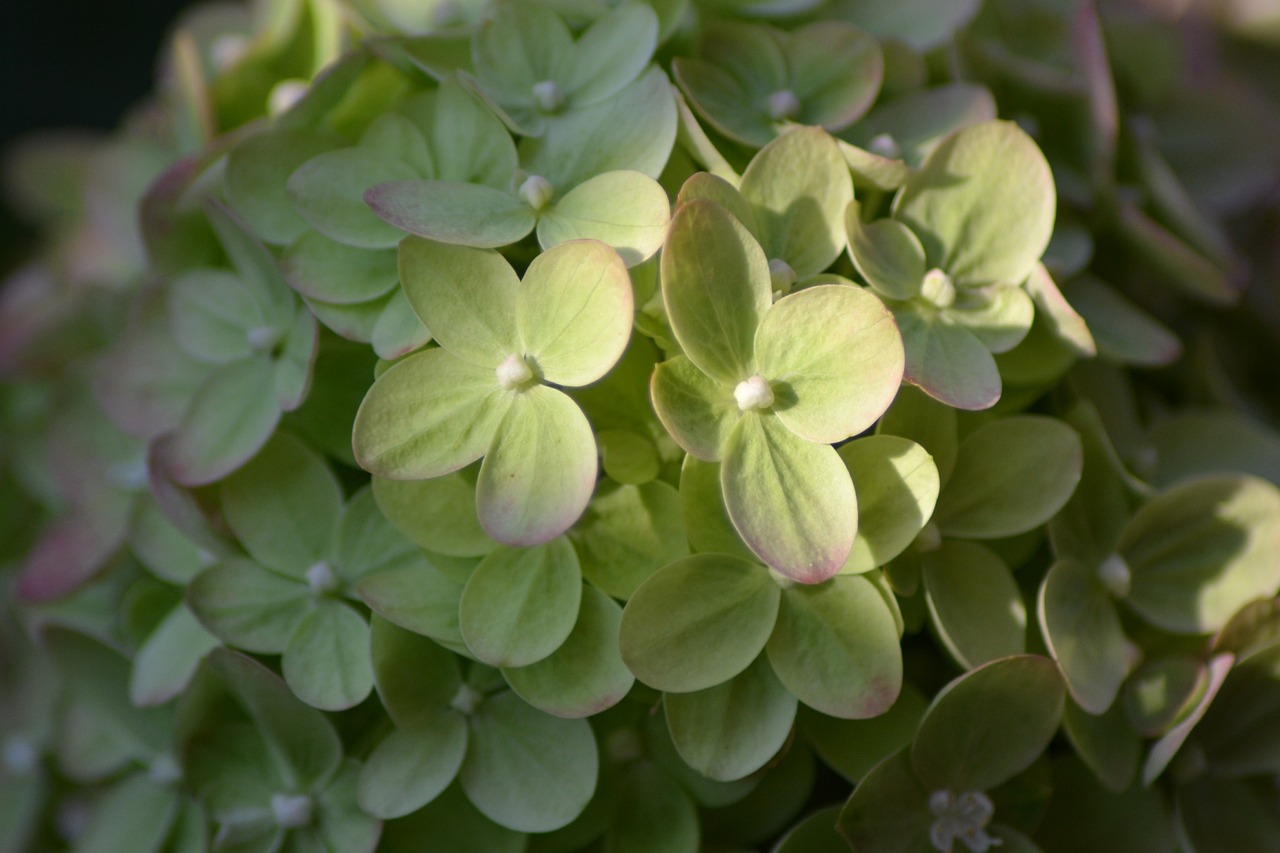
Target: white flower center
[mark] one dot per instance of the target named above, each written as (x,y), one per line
(227,50)
(1115,576)
(885,145)
(536,191)
(513,373)
(938,288)
(783,104)
(548,96)
(291,810)
(262,338)
(466,700)
(285,94)
(961,817)
(321,578)
(164,769)
(753,393)
(781,276)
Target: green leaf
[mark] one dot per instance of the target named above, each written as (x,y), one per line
(1123,332)
(1052,307)
(420,598)
(1082,630)
(1107,744)
(326,663)
(652,814)
(853,747)
(284,506)
(716,288)
(698,622)
(1202,550)
(451,212)
(1161,691)
(255,265)
(989,724)
(834,358)
(397,138)
(526,770)
(626,210)
(1222,815)
(428,415)
(230,418)
(341,824)
(585,675)
(629,532)
(1011,475)
(998,315)
(889,810)
(733,729)
(706,519)
(1195,442)
(469,295)
(982,205)
(798,187)
(946,360)
(836,648)
(573,312)
(835,70)
(713,188)
(164,664)
(916,123)
(628,457)
(974,603)
(1164,750)
(451,822)
(292,364)
(256,174)
(211,313)
(696,410)
(416,678)
(469,142)
(437,514)
(611,53)
(397,331)
(897,487)
(927,422)
(521,604)
(366,542)
(324,269)
(540,471)
(113,824)
(873,171)
(519,47)
(247,606)
(791,501)
(411,767)
(886,254)
(329,192)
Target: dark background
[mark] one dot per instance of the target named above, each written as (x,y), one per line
(73,63)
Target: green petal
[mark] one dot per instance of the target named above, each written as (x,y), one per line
(326,663)
(420,598)
(719,99)
(283,506)
(628,533)
(834,358)
(412,767)
(573,312)
(1202,550)
(1052,307)
(835,70)
(1107,744)
(791,501)
(212,312)
(696,410)
(428,415)
(1164,750)
(397,331)
(798,187)
(1201,441)
(889,810)
(247,606)
(294,361)
(469,294)
(256,175)
(451,822)
(626,210)
(469,142)
(521,603)
(652,814)
(1082,630)
(329,190)
(416,678)
(1011,475)
(324,269)
(1123,332)
(929,423)
(451,212)
(611,53)
(1000,316)
(706,520)
(540,470)
(918,122)
(989,724)
(946,360)
(164,664)
(527,770)
(437,514)
(886,254)
(1224,815)
(716,287)
(853,747)
(703,185)
(836,648)
(872,171)
(698,622)
(974,603)
(897,486)
(917,23)
(585,675)
(113,822)
(520,46)
(983,205)
(634,130)
(731,730)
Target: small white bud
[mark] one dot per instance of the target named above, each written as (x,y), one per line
(291,810)
(130,475)
(285,94)
(753,393)
(885,145)
(1115,576)
(537,191)
(961,817)
(783,104)
(513,373)
(262,338)
(227,50)
(466,700)
(548,96)
(938,288)
(20,755)
(321,578)
(781,276)
(164,769)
